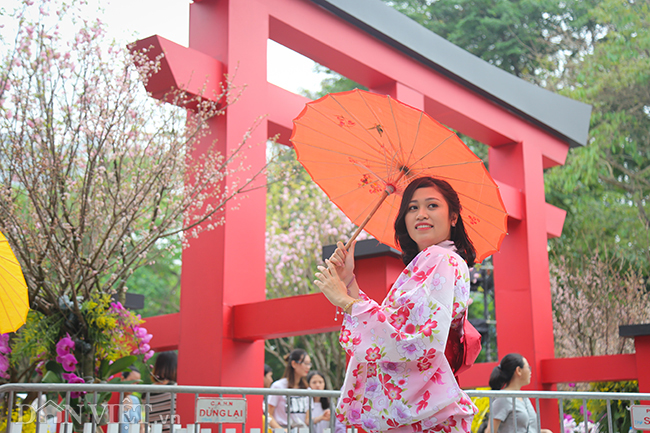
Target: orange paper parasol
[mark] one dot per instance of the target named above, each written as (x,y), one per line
(13,290)
(363,149)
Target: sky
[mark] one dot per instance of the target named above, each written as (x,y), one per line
(136,19)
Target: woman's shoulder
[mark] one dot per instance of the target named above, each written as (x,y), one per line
(281,383)
(435,255)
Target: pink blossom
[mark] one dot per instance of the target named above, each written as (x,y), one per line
(140,332)
(68,361)
(64,346)
(4,343)
(148,355)
(144,348)
(4,366)
(72,378)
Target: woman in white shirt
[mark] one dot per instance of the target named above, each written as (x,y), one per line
(298,365)
(320,409)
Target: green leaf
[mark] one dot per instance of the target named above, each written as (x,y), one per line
(103,397)
(103,369)
(54,367)
(52,377)
(121,365)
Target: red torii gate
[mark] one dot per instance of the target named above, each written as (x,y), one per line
(224,315)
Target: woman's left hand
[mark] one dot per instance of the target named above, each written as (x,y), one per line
(331,285)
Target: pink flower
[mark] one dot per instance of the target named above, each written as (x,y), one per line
(144,348)
(345,336)
(423,364)
(428,327)
(446,425)
(437,377)
(354,412)
(73,378)
(4,344)
(372,354)
(399,318)
(67,361)
(4,366)
(392,391)
(64,346)
(148,355)
(140,332)
(422,404)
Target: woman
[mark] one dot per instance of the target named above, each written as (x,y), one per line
(132,410)
(160,404)
(298,365)
(320,409)
(398,378)
(510,375)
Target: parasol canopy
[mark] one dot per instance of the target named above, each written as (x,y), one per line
(363,149)
(14,303)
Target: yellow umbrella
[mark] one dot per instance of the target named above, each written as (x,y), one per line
(14,303)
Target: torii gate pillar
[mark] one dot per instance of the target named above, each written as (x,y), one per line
(220,330)
(226,267)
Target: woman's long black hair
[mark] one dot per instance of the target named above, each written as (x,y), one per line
(297,355)
(410,249)
(324,401)
(502,373)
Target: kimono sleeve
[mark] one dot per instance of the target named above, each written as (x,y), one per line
(413,322)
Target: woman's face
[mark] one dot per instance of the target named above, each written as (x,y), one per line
(317,382)
(302,367)
(427,218)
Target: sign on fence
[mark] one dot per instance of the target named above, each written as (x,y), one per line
(640,417)
(215,410)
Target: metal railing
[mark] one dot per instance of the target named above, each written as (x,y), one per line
(11,391)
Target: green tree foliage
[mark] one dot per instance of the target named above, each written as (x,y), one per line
(159,280)
(528,38)
(332,84)
(605,186)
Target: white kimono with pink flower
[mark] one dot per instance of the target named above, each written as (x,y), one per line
(398,378)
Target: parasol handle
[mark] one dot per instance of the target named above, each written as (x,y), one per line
(389,190)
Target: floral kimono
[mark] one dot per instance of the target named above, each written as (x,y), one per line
(398,378)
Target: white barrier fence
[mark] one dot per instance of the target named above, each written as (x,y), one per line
(53,412)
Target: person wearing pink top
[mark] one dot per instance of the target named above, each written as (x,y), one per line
(398,378)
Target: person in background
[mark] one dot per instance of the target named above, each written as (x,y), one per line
(268,376)
(512,373)
(298,365)
(131,409)
(268,381)
(160,404)
(320,409)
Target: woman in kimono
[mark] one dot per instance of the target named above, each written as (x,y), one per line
(398,378)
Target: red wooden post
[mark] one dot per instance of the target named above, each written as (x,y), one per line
(641,335)
(522,291)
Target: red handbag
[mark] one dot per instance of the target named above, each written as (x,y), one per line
(462,350)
